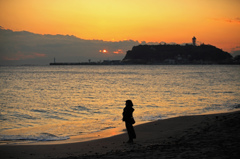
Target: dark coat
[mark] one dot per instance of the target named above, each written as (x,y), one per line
(127,114)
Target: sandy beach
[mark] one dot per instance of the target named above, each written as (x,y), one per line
(200,136)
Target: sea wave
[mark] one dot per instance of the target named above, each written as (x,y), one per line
(80,108)
(40,137)
(68,101)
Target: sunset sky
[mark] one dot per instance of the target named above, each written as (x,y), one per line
(215,22)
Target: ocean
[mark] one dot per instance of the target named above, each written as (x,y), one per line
(48,103)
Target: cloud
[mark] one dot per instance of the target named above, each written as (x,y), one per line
(25,47)
(119,51)
(229,20)
(235,51)
(236,20)
(23,56)
(236,48)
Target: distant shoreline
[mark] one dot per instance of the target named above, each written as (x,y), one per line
(85,63)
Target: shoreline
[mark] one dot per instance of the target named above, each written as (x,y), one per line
(95,135)
(150,136)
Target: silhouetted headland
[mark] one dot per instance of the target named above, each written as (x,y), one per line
(169,54)
(177,54)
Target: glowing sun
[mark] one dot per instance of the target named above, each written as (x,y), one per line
(103,51)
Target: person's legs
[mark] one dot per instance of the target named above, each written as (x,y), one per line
(131,132)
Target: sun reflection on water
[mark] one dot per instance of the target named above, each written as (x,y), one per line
(68,101)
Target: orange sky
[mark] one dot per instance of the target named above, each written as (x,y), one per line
(215,22)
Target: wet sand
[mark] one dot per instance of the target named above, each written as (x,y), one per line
(201,136)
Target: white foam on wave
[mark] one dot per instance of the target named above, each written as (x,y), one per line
(40,137)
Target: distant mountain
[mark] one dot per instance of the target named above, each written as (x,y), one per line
(177,54)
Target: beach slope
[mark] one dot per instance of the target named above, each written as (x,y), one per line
(200,136)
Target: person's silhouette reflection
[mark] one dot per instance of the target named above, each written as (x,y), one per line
(129,120)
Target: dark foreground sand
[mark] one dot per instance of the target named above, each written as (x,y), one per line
(204,136)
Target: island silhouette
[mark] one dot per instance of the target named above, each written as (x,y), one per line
(169,54)
(177,54)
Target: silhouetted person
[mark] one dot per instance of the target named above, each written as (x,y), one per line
(129,120)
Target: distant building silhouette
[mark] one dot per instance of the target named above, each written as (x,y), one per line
(194,41)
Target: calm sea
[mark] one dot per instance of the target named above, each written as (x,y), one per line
(42,103)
